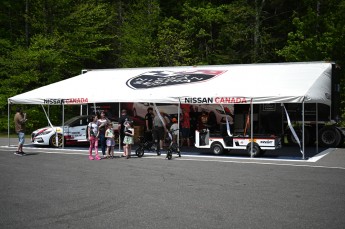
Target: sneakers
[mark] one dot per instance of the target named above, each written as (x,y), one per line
(97,157)
(91,157)
(20,153)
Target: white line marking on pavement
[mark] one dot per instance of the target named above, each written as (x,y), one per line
(203,158)
(320,155)
(265,163)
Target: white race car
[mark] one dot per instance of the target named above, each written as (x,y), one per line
(75,132)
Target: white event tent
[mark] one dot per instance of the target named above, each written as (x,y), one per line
(260,83)
(299,82)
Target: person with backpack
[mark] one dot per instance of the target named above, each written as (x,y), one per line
(93,134)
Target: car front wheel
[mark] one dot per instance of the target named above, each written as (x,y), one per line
(54,143)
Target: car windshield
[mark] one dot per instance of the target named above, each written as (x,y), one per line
(68,122)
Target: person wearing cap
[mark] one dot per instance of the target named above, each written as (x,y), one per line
(174,130)
(121,127)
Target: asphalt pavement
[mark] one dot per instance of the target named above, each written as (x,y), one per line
(61,188)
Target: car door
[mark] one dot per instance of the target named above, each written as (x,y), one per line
(77,129)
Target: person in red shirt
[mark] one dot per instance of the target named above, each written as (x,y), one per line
(185,127)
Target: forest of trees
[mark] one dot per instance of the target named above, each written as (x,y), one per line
(45,41)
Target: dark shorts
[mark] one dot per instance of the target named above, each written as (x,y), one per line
(158,133)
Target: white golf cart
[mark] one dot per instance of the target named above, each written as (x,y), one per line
(220,142)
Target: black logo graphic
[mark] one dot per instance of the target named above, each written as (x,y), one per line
(168,78)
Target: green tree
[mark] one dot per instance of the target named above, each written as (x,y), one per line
(319,35)
(137,33)
(172,47)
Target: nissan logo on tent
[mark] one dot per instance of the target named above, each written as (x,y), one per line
(168,78)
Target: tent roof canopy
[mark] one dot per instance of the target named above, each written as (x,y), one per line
(260,83)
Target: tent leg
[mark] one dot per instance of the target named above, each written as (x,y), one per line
(119,129)
(317,129)
(8,123)
(251,129)
(303,155)
(63,126)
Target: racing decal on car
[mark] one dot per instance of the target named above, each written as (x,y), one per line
(168,78)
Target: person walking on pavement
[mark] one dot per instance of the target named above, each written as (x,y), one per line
(93,138)
(19,122)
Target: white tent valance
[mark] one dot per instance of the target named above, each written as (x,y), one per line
(308,82)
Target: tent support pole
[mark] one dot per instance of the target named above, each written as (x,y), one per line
(120,129)
(317,128)
(63,126)
(303,145)
(178,123)
(251,128)
(8,123)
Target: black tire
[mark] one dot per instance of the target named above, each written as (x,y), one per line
(217,148)
(139,152)
(169,154)
(52,141)
(307,137)
(262,152)
(256,149)
(330,136)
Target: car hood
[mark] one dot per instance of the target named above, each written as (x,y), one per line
(58,129)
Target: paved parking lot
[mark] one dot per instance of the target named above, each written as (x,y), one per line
(53,188)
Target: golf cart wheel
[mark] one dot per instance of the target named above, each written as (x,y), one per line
(139,152)
(256,149)
(53,143)
(217,148)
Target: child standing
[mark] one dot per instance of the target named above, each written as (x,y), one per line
(174,130)
(93,137)
(109,135)
(128,139)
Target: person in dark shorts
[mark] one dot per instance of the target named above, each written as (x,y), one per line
(158,132)
(148,124)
